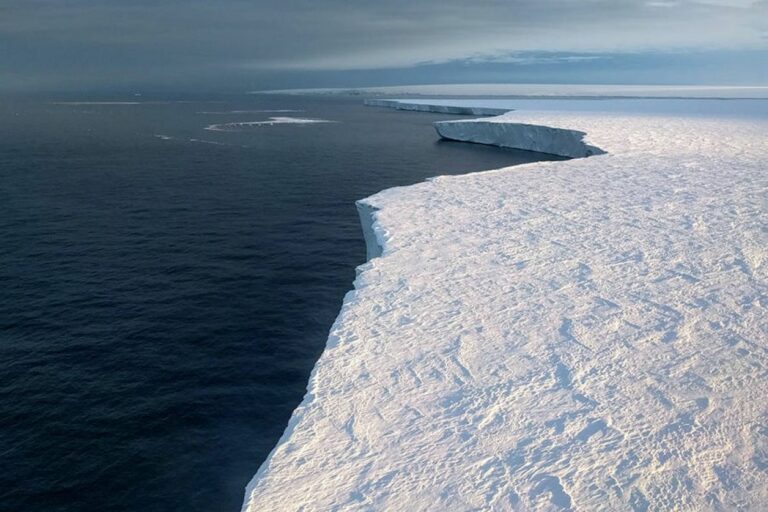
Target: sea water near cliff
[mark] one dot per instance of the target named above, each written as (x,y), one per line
(165,290)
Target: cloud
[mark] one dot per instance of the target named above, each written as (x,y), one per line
(518,59)
(118,40)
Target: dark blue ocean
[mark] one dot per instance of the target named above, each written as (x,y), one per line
(165,290)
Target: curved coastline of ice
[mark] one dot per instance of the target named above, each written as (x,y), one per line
(531,137)
(587,334)
(496,132)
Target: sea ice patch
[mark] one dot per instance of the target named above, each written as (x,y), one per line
(244,125)
(227,112)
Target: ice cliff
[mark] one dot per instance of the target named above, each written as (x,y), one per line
(373,246)
(587,334)
(502,132)
(437,108)
(497,131)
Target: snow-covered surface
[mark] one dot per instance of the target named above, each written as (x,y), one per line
(236,126)
(588,334)
(550,90)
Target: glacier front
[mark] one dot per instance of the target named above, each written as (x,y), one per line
(588,334)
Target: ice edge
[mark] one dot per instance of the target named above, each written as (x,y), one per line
(529,137)
(499,130)
(375,240)
(374,245)
(436,108)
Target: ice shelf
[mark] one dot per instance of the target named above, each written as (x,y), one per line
(588,334)
(437,108)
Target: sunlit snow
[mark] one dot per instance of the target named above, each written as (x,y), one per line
(587,334)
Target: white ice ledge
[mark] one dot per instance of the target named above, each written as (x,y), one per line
(507,133)
(549,91)
(586,334)
(499,131)
(437,108)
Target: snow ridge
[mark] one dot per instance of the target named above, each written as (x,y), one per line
(586,334)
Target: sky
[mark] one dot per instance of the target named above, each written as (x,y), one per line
(266,44)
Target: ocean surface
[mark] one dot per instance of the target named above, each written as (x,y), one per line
(165,290)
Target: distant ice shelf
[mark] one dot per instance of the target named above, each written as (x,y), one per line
(496,132)
(549,91)
(437,107)
(589,334)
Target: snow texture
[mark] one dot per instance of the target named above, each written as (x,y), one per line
(587,334)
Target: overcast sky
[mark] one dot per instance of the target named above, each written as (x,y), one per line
(245,44)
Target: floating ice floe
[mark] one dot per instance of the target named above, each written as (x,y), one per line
(212,142)
(226,112)
(237,126)
(589,334)
(96,103)
(194,140)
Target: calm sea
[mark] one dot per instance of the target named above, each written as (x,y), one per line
(165,290)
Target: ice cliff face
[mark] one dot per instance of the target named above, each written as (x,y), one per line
(587,334)
(506,133)
(498,131)
(373,248)
(437,108)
